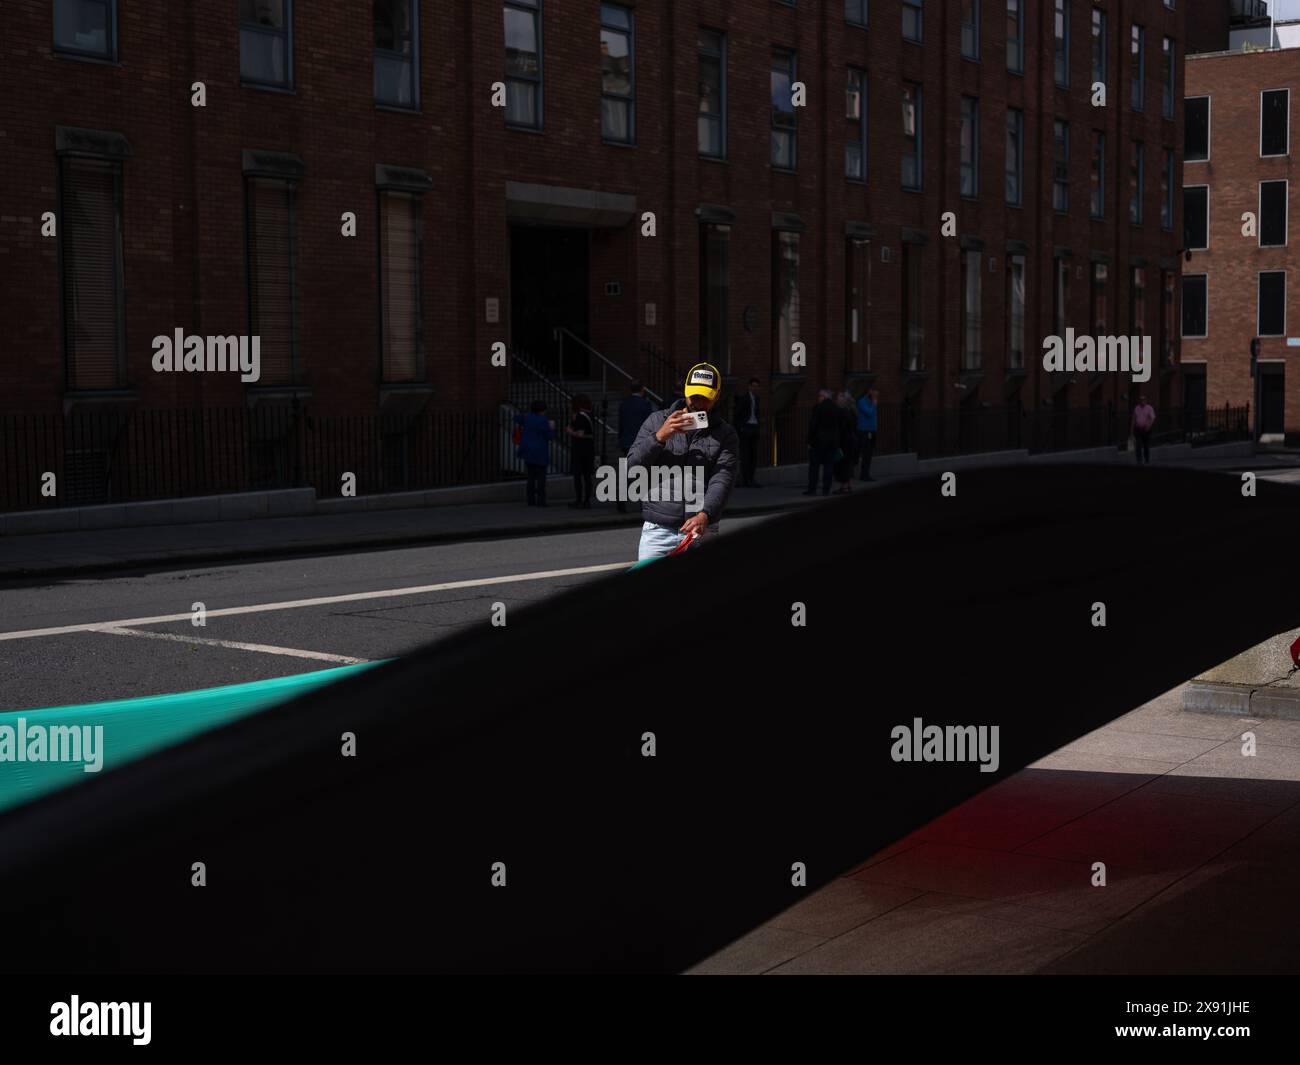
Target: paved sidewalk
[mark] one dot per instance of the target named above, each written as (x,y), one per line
(69,553)
(1202,853)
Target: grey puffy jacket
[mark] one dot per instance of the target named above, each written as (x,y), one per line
(716,448)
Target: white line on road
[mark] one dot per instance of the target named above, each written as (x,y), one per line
(265,648)
(325,600)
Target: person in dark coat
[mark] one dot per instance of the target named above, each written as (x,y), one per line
(747,417)
(582,451)
(848,449)
(632,413)
(823,442)
(534,448)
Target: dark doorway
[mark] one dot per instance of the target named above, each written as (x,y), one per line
(1272,400)
(1194,398)
(549,289)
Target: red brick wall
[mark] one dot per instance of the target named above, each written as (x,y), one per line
(184,194)
(1232,261)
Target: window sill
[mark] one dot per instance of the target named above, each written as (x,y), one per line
(397,109)
(267,88)
(77,57)
(524,129)
(617,144)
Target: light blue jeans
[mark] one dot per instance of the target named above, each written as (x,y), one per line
(659,540)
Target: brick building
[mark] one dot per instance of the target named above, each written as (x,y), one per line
(1238,283)
(500,159)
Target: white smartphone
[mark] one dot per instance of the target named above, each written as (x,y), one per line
(701,418)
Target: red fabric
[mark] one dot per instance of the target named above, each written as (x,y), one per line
(1295,653)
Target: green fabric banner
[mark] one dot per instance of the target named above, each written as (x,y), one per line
(42,750)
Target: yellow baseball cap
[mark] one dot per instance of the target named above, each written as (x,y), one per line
(703,379)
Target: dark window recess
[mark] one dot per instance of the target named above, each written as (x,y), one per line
(271,283)
(1196,128)
(1196,220)
(1272,213)
(1274,109)
(1194,306)
(91,237)
(401,322)
(1272,304)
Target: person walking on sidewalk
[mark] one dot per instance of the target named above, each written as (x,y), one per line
(632,413)
(823,442)
(1144,418)
(747,417)
(868,421)
(582,451)
(848,447)
(672,440)
(534,448)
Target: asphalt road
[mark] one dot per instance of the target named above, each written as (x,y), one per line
(397,614)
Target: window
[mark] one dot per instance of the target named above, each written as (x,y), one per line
(1275,122)
(970,28)
(857,301)
(1097,202)
(1016,312)
(1136,183)
(617,75)
(1168,316)
(266,43)
(1138,67)
(1015,156)
(1100,309)
(911,135)
(1061,31)
(1196,217)
(971,277)
(90,248)
(1271,319)
(1272,213)
(1015,36)
(712,123)
(1137,315)
(715,284)
(523,36)
(912,20)
(1167,192)
(1196,129)
(396,52)
(272,266)
(855,113)
(1195,302)
(1168,75)
(784,123)
(913,324)
(401,323)
(86,27)
(855,12)
(1061,167)
(1098,46)
(1061,294)
(785,298)
(970,147)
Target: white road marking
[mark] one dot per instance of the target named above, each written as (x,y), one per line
(264,648)
(325,600)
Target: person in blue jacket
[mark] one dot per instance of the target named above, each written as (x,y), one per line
(867,423)
(534,448)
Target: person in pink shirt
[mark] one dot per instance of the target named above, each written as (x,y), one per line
(1144,417)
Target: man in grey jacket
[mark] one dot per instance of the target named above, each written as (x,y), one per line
(672,449)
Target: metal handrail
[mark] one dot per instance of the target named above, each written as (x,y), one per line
(563,331)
